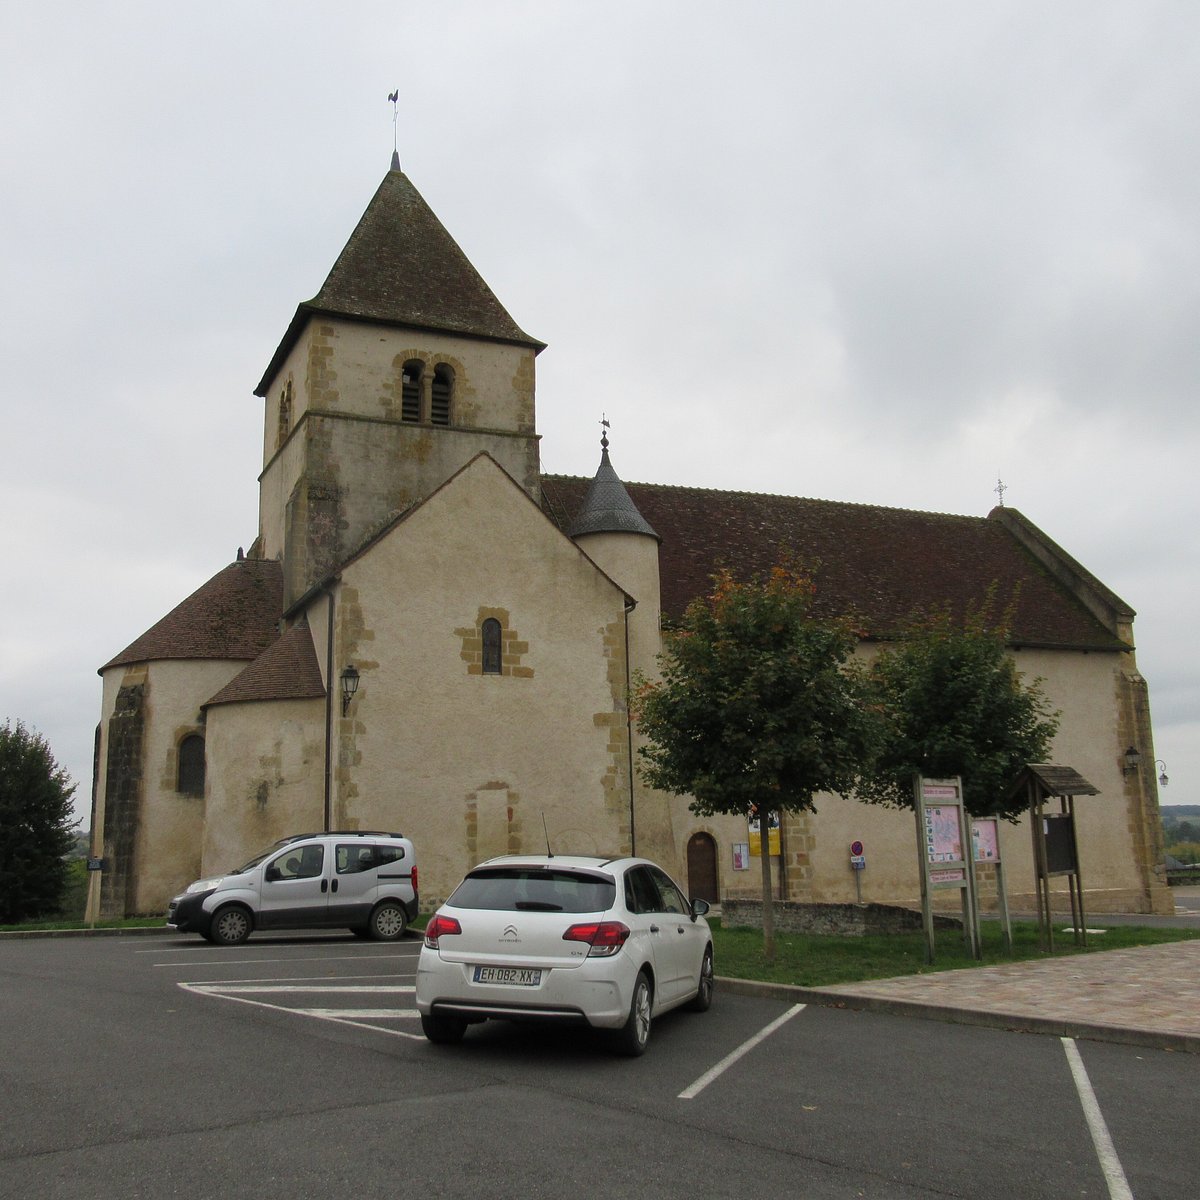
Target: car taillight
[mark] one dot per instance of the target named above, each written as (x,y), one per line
(439,925)
(604,937)
(414,878)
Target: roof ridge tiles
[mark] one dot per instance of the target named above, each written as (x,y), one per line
(860,504)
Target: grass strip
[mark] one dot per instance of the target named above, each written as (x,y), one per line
(823,961)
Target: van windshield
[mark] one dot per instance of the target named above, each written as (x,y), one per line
(253,862)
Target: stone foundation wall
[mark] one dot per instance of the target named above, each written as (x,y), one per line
(841,920)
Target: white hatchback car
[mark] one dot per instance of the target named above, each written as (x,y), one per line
(611,943)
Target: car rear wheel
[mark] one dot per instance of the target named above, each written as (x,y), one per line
(704,991)
(631,1039)
(388,921)
(443,1031)
(231,925)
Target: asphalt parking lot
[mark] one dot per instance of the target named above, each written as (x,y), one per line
(163,1066)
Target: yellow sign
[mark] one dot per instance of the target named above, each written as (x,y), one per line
(772,835)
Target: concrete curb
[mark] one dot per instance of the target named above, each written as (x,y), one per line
(17,935)
(1013,1022)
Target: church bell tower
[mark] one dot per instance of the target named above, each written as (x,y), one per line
(401,369)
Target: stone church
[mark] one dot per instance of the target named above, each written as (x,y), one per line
(429,635)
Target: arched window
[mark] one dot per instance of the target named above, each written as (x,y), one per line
(410,390)
(492,662)
(191,766)
(443,391)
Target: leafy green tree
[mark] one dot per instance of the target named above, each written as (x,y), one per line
(954,704)
(1183,831)
(35,825)
(760,706)
(1187,852)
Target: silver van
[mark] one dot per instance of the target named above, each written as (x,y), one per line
(363,881)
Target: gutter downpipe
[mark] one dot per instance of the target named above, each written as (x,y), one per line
(327,587)
(630,605)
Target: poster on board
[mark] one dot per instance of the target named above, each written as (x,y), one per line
(985,840)
(772,835)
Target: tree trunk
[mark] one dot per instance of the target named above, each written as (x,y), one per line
(768,900)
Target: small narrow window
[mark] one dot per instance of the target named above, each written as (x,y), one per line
(190,781)
(443,390)
(491,647)
(410,390)
(285,414)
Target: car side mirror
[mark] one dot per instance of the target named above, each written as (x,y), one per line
(699,908)
(271,874)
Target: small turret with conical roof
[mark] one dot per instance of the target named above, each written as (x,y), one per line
(607,507)
(611,531)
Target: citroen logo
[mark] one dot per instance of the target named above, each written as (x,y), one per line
(509,934)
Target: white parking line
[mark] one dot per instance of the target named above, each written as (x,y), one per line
(359,1014)
(1114,1176)
(320,1015)
(692,1092)
(239,989)
(217,983)
(241,962)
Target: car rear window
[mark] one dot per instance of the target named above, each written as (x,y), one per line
(521,889)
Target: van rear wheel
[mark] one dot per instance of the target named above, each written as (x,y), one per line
(388,921)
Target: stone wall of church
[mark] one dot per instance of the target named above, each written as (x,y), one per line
(266,778)
(467,762)
(152,830)
(1118,857)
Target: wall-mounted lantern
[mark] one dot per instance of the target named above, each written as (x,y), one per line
(1162,766)
(349,687)
(1132,760)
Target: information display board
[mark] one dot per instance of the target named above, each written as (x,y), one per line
(944,839)
(985,846)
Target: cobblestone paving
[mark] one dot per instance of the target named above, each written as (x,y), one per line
(1151,988)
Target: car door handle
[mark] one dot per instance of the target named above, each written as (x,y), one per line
(333,888)
(324,886)
(681,929)
(653,928)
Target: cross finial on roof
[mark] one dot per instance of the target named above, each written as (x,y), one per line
(394,97)
(1000,488)
(604,421)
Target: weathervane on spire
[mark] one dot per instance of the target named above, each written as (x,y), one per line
(1000,489)
(604,421)
(394,97)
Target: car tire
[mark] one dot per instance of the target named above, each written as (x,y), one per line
(388,921)
(701,1001)
(633,1037)
(231,925)
(443,1031)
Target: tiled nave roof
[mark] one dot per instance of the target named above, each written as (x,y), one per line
(882,564)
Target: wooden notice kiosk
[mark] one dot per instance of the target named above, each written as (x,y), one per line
(1055,847)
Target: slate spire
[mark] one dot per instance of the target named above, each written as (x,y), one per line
(607,507)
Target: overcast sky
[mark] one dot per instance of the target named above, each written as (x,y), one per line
(881,252)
